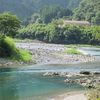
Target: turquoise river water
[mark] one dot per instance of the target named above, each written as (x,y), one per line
(28,82)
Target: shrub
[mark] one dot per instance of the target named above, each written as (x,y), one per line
(9,50)
(6,46)
(94,94)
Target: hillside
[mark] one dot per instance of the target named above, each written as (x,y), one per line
(25,8)
(88,10)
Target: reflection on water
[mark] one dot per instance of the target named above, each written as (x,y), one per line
(8,91)
(28,83)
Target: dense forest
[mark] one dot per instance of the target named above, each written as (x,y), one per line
(82,9)
(88,10)
(25,8)
(44,25)
(68,34)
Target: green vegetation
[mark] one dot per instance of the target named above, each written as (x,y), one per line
(73,51)
(8,27)
(38,57)
(69,46)
(47,13)
(25,40)
(56,54)
(93,94)
(45,23)
(40,11)
(21,55)
(88,10)
(10,51)
(9,24)
(26,8)
(44,11)
(80,45)
(68,34)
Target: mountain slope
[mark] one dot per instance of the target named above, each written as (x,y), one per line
(88,10)
(25,8)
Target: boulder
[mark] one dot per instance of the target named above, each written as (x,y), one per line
(70,74)
(86,72)
(95,72)
(69,81)
(63,74)
(51,74)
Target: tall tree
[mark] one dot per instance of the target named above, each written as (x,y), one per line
(9,24)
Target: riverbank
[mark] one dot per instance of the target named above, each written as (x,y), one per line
(75,95)
(5,63)
(53,54)
(50,54)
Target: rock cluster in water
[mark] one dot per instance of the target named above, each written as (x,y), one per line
(89,82)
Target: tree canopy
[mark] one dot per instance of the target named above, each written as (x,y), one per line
(9,24)
(25,8)
(88,10)
(47,13)
(67,34)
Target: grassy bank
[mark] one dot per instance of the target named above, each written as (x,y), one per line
(73,51)
(80,45)
(10,51)
(21,55)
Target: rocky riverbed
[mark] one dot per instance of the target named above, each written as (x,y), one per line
(53,53)
(49,53)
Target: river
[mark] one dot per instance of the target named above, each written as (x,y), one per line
(28,82)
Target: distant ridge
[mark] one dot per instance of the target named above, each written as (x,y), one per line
(25,8)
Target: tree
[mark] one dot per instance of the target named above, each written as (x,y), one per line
(96,20)
(47,13)
(34,17)
(96,32)
(9,24)
(72,33)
